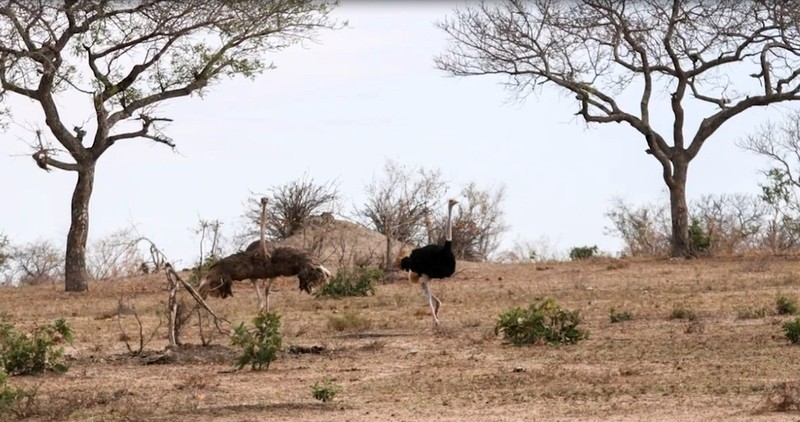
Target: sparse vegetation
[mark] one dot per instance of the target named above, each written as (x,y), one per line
(325,391)
(619,316)
(683,312)
(400,204)
(260,345)
(400,346)
(786,305)
(348,321)
(115,255)
(14,401)
(35,352)
(644,229)
(753,312)
(582,252)
(290,205)
(698,237)
(791,330)
(350,282)
(8,395)
(4,253)
(478,222)
(33,263)
(542,321)
(209,231)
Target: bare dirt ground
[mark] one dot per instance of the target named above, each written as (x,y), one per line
(718,367)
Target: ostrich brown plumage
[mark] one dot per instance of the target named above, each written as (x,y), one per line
(282,261)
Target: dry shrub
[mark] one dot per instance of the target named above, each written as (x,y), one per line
(543,249)
(62,405)
(783,397)
(645,229)
(401,204)
(290,206)
(758,265)
(4,252)
(617,264)
(116,255)
(373,346)
(142,338)
(731,221)
(34,263)
(478,222)
(349,322)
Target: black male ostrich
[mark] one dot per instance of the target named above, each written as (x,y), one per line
(433,261)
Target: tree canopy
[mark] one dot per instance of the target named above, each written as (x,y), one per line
(597,49)
(127,58)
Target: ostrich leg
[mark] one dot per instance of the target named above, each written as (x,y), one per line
(258,293)
(429,296)
(266,294)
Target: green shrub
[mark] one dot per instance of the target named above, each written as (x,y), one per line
(786,305)
(681,312)
(620,316)
(543,321)
(326,391)
(36,352)
(351,281)
(582,252)
(792,330)
(698,237)
(8,395)
(260,346)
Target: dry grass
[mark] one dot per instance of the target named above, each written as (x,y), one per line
(718,366)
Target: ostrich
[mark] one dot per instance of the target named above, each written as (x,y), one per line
(433,261)
(251,264)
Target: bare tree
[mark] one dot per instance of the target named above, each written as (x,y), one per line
(403,204)
(644,229)
(598,49)
(116,255)
(779,142)
(210,232)
(4,252)
(127,58)
(290,205)
(36,262)
(731,221)
(478,222)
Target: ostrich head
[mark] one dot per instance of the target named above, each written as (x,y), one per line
(216,285)
(313,276)
(452,202)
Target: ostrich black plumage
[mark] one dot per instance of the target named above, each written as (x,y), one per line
(433,261)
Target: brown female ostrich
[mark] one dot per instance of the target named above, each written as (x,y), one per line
(250,264)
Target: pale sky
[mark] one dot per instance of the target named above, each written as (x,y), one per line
(338,110)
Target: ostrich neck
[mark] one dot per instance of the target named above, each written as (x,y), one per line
(449,229)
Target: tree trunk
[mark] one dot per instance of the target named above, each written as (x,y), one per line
(681,244)
(76,277)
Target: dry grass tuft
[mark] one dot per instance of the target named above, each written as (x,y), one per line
(783,397)
(349,322)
